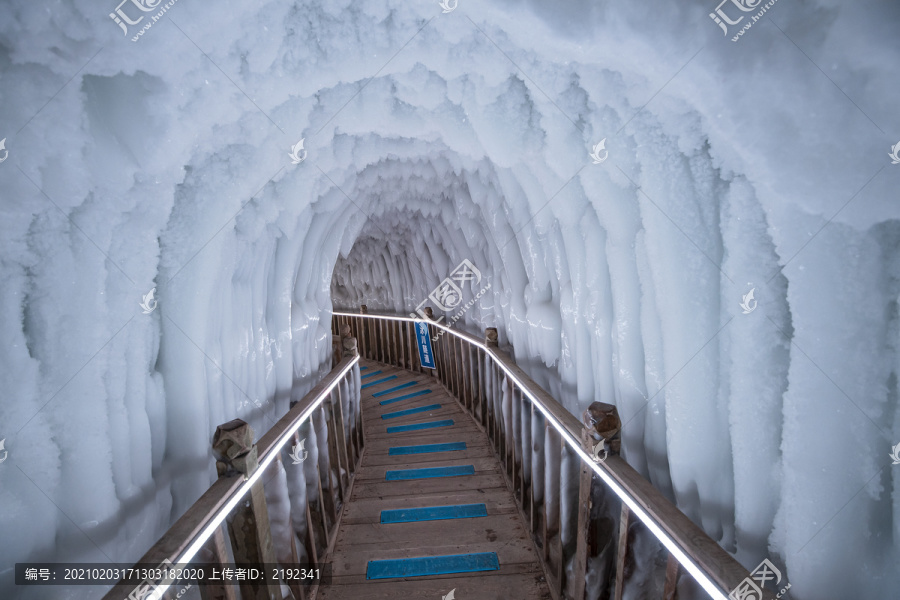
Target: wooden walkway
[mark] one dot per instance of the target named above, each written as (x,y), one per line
(370,556)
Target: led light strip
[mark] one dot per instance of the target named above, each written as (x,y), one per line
(207,531)
(671,545)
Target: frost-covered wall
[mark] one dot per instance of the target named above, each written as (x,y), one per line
(431,137)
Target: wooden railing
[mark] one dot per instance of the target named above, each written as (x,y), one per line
(548,456)
(234,507)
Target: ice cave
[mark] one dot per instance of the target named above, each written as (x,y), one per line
(687,210)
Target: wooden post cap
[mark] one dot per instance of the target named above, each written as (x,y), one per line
(428,313)
(603,419)
(348,344)
(363,309)
(490,336)
(234,449)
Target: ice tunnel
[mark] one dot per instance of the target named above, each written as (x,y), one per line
(702,230)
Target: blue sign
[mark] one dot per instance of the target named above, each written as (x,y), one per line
(423,341)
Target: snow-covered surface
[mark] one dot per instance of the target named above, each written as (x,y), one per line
(431,138)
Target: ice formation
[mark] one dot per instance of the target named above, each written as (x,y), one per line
(169,163)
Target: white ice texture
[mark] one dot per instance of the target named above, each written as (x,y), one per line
(163,163)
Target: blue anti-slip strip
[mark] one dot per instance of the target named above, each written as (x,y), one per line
(405,474)
(363,368)
(377,382)
(410,411)
(434,513)
(372,374)
(406,397)
(418,426)
(426,448)
(394,389)
(432,565)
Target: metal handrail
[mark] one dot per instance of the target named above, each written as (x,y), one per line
(711,566)
(190,532)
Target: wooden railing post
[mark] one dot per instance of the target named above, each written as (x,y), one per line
(411,338)
(337,346)
(335,350)
(366,331)
(670,592)
(248,524)
(349,345)
(493,390)
(622,552)
(436,355)
(350,348)
(215,553)
(600,437)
